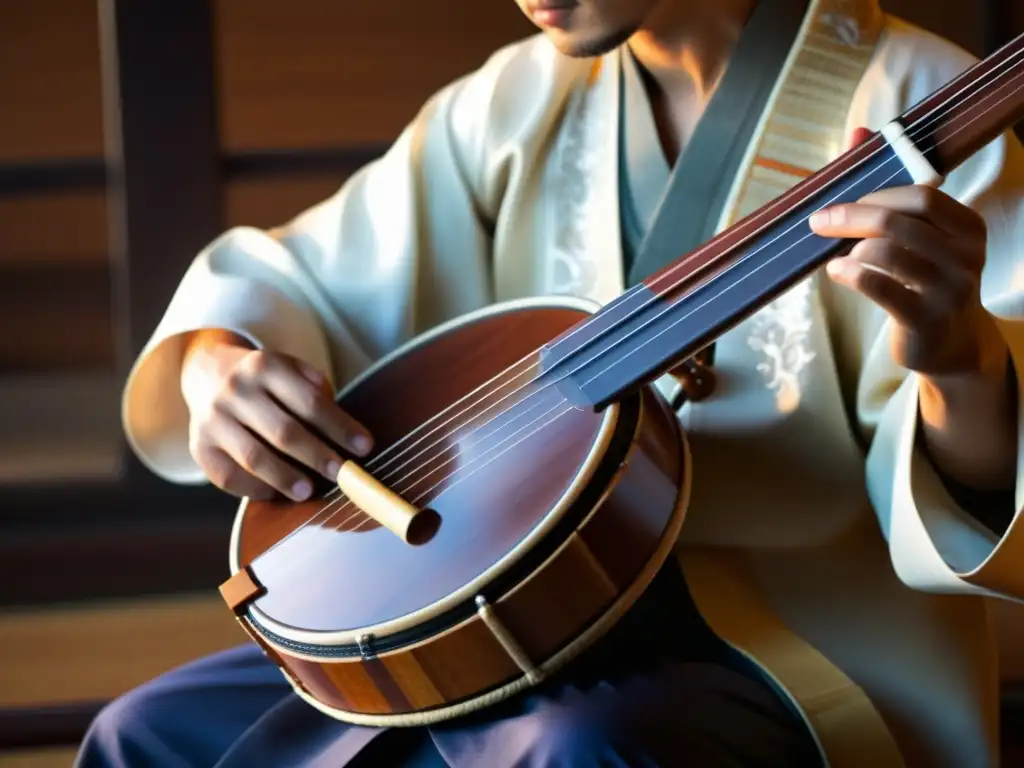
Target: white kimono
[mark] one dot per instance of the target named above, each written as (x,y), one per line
(505,186)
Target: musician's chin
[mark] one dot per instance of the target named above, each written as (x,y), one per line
(584,44)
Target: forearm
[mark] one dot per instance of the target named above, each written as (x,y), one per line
(969,421)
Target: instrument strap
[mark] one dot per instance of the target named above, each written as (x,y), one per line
(834,41)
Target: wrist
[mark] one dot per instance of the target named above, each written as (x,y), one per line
(969,419)
(203,352)
(983,372)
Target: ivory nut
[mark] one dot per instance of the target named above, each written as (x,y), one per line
(382,504)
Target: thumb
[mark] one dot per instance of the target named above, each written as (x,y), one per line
(859,136)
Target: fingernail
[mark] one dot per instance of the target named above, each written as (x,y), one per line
(314,376)
(837,267)
(301,490)
(820,218)
(333,468)
(360,444)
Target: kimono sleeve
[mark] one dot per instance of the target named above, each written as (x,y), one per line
(342,284)
(934,544)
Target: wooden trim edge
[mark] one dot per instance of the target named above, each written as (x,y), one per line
(57,174)
(61,725)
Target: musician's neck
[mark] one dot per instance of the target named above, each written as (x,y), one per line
(687,43)
(683,49)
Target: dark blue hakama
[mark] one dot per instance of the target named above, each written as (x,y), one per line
(659,690)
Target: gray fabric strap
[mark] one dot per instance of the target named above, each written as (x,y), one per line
(691,205)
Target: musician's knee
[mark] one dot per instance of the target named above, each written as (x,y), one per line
(125,732)
(571,736)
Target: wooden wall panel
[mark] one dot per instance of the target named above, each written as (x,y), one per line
(304,74)
(316,73)
(55,282)
(49,80)
(55,319)
(48,231)
(271,202)
(98,651)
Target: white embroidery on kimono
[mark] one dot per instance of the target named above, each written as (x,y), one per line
(779,332)
(572,269)
(847,28)
(848,19)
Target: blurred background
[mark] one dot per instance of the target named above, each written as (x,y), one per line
(131,133)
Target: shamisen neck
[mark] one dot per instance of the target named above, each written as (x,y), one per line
(702,294)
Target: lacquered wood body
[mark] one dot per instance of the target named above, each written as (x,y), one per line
(601,495)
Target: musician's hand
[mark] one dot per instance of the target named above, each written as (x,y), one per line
(242,400)
(920,258)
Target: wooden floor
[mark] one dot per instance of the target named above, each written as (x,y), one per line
(42,758)
(77,653)
(80,653)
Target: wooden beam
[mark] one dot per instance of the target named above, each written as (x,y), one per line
(301,162)
(44,304)
(25,178)
(61,725)
(160,110)
(43,176)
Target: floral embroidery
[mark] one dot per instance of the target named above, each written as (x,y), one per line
(572,269)
(847,28)
(854,22)
(780,333)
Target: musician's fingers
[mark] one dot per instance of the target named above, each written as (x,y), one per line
(265,417)
(225,473)
(256,458)
(858,137)
(301,395)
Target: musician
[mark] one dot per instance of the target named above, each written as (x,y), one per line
(860,450)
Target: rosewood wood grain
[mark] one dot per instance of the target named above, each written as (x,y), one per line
(973,109)
(545,613)
(612,527)
(665,280)
(316,578)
